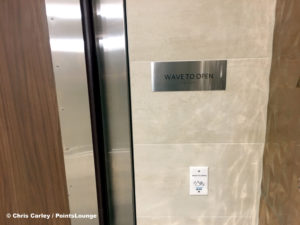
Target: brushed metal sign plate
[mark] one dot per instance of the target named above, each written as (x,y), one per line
(189,75)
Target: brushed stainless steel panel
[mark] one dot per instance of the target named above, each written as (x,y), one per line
(188,75)
(112,59)
(67,48)
(111,48)
(121,185)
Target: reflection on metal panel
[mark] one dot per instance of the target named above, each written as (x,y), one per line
(112,60)
(109,28)
(121,185)
(64,22)
(188,76)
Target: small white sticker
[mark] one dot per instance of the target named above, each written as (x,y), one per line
(198,180)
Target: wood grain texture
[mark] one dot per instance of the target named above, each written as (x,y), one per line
(32,174)
(280,198)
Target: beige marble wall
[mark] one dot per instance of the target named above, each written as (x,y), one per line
(224,130)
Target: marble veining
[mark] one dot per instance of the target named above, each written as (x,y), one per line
(224,130)
(175,30)
(236,115)
(161,176)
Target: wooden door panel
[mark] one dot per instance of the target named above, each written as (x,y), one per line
(32,174)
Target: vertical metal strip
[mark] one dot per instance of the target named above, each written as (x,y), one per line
(104,24)
(95,109)
(130,114)
(112,58)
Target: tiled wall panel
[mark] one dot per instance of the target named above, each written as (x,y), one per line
(224,130)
